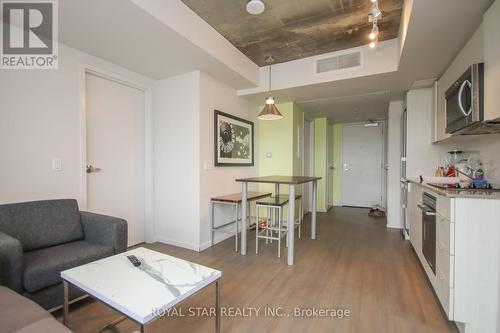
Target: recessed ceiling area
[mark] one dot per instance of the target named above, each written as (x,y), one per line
(349,109)
(295,29)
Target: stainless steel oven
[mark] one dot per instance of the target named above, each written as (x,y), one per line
(428,208)
(464,100)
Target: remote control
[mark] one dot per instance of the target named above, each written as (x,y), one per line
(133,259)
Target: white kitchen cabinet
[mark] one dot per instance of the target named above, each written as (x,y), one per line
(492,62)
(467,278)
(445,258)
(415,216)
(421,154)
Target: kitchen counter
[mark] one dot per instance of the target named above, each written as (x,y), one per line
(452,193)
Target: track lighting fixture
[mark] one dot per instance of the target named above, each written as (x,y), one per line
(374,34)
(375,15)
(375,11)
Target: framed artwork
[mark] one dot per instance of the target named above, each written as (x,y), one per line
(233,140)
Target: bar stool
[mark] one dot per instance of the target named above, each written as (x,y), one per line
(298,221)
(272,205)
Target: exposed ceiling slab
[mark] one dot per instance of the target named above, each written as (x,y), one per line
(294,29)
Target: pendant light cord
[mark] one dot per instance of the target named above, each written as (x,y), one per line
(270,78)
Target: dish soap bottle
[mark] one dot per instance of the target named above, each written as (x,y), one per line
(479,173)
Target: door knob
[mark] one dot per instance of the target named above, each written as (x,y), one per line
(91,168)
(346,168)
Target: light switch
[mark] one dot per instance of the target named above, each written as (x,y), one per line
(56,164)
(207,165)
(269,154)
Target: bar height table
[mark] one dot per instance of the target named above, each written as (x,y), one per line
(292,182)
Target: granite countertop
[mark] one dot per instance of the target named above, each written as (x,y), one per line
(452,193)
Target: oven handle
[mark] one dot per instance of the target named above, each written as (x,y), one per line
(460,93)
(426,211)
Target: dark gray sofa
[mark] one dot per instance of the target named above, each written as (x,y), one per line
(40,239)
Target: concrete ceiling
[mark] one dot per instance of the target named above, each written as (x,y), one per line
(436,33)
(294,29)
(349,108)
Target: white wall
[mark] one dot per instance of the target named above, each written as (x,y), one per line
(40,119)
(394,165)
(215,181)
(176,124)
(185,178)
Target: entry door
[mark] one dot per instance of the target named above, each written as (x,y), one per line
(362,165)
(116,152)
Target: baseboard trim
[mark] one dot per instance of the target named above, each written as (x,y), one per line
(174,242)
(217,239)
(390,226)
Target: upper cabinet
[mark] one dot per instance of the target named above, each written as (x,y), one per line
(492,62)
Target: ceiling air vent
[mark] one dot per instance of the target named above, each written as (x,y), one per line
(335,63)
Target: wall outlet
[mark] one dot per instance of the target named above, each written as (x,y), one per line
(56,164)
(269,154)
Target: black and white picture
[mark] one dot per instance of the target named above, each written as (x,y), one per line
(233,140)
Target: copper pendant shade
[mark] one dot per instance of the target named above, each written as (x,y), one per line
(269,111)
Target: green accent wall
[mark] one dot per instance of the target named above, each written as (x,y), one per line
(276,138)
(298,139)
(320,156)
(280,138)
(337,163)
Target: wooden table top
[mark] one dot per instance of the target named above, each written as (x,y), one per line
(236,197)
(290,180)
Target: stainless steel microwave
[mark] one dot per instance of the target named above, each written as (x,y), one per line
(464,100)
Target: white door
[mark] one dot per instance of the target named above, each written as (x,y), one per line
(115,147)
(362,165)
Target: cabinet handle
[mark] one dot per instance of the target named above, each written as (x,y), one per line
(426,211)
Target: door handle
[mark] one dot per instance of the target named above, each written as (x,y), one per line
(346,168)
(460,93)
(92,169)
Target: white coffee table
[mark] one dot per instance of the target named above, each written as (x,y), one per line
(142,293)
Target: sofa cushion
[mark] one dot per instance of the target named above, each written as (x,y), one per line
(40,224)
(17,311)
(48,325)
(42,268)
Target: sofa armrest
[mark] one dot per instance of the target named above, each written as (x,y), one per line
(11,262)
(105,230)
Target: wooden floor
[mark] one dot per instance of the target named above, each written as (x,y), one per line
(356,264)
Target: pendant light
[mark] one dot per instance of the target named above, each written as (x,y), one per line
(270,111)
